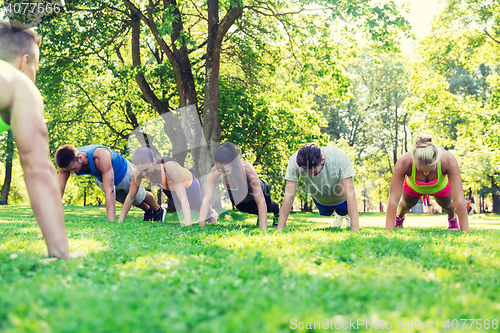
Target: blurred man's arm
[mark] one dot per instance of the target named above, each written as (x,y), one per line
(31,136)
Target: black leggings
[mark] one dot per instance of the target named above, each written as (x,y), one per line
(250,207)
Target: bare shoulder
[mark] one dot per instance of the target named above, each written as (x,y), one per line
(6,97)
(248,165)
(249,169)
(448,162)
(102,153)
(102,158)
(14,84)
(404,163)
(171,165)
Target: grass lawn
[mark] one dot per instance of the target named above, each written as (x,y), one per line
(159,277)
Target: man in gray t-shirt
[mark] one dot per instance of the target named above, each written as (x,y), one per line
(327,173)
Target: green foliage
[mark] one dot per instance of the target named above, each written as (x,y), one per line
(83,191)
(18,195)
(373,121)
(465,35)
(270,126)
(232,277)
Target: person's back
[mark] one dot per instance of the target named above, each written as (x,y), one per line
(118,162)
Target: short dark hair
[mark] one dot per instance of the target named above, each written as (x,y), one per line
(17,40)
(65,155)
(309,155)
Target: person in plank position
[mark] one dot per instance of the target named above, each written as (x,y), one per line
(21,111)
(427,170)
(247,192)
(328,176)
(178,183)
(113,174)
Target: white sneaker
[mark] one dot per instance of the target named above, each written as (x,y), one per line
(347,221)
(337,221)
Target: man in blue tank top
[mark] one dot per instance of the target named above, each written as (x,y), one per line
(113,175)
(21,110)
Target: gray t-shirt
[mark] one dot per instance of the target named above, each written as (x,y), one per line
(325,187)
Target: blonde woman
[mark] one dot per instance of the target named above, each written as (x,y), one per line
(427,170)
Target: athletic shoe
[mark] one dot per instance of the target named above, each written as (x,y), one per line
(257,222)
(337,221)
(347,221)
(159,215)
(213,217)
(276,219)
(148,215)
(399,221)
(453,224)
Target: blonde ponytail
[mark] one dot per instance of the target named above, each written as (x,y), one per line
(425,151)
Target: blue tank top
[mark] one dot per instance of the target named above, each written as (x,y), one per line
(118,162)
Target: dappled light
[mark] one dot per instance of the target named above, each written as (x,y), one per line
(148,142)
(370,274)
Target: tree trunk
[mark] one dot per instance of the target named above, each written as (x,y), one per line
(173,125)
(85,195)
(395,148)
(482,203)
(495,193)
(216,33)
(405,134)
(160,196)
(4,195)
(178,56)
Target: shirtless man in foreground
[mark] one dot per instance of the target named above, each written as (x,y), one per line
(21,110)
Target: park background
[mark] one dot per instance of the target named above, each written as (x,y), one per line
(268,76)
(272,77)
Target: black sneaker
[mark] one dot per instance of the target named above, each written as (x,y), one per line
(159,215)
(148,215)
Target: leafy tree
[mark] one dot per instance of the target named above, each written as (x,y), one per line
(465,35)
(180,40)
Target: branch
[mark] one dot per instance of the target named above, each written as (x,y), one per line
(231,16)
(488,34)
(151,97)
(105,122)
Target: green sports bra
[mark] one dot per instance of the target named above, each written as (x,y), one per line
(3,126)
(427,188)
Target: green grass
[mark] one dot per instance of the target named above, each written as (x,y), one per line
(159,277)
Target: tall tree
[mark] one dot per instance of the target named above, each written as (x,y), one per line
(191,37)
